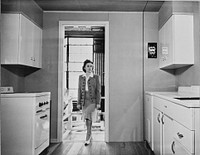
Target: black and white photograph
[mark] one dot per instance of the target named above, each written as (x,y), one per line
(100,77)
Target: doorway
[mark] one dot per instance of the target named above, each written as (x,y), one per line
(79,35)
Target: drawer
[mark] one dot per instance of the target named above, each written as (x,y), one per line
(160,104)
(175,111)
(184,136)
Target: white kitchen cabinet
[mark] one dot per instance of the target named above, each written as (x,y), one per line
(173,133)
(37,47)
(163,133)
(176,42)
(166,128)
(148,116)
(168,132)
(21,41)
(26,32)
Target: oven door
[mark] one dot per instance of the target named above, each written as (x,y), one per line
(41,127)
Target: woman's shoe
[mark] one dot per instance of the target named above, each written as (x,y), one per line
(87,142)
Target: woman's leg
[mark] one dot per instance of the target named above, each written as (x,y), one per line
(89,128)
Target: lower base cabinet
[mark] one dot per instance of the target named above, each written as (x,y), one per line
(170,136)
(163,133)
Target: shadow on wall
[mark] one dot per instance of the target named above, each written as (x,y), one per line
(20,70)
(170,71)
(179,71)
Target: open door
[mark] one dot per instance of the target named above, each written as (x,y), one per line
(76,47)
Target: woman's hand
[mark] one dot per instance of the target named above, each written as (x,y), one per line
(79,106)
(98,106)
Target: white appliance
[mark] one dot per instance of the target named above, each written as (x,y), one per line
(25,123)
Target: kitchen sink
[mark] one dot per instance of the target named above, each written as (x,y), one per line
(187,98)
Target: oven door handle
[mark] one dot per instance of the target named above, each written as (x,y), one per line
(43,117)
(39,111)
(42,110)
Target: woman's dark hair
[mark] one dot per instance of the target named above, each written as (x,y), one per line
(84,64)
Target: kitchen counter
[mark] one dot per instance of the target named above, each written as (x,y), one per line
(170,96)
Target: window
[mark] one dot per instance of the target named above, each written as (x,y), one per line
(78,50)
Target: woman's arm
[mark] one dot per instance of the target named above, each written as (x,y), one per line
(79,93)
(98,91)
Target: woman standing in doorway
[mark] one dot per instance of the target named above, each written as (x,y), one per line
(89,95)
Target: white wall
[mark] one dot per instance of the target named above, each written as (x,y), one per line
(126,117)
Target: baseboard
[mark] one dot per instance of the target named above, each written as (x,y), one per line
(54,141)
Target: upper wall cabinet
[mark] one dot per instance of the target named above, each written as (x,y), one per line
(21,41)
(176,42)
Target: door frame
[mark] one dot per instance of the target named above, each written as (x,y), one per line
(60,73)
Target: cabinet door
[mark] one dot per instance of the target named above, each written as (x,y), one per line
(10,38)
(21,41)
(168,35)
(157,128)
(168,135)
(162,48)
(148,119)
(176,39)
(37,47)
(183,39)
(26,43)
(166,44)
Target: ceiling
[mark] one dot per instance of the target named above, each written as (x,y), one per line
(99,5)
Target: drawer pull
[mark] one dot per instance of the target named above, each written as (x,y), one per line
(180,135)
(158,118)
(162,119)
(172,147)
(165,106)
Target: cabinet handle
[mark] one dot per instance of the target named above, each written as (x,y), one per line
(172,147)
(158,118)
(180,135)
(162,119)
